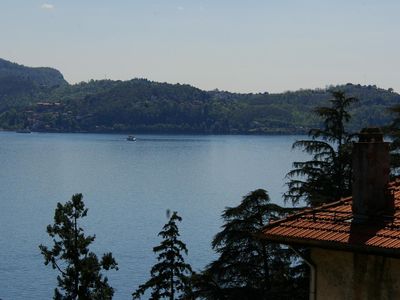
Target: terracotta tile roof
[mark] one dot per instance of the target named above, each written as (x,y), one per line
(331,226)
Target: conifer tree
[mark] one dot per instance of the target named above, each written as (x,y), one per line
(327,175)
(248,267)
(394,132)
(79,269)
(170,276)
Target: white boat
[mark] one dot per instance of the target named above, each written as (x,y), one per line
(131,138)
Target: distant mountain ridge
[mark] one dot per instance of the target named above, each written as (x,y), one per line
(40,99)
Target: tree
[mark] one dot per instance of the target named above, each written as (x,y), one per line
(327,176)
(80,270)
(170,276)
(248,267)
(394,132)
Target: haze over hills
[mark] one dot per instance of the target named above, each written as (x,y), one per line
(41,100)
(40,76)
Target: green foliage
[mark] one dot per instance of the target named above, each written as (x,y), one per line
(170,276)
(327,176)
(20,85)
(79,269)
(44,77)
(248,267)
(393,130)
(140,105)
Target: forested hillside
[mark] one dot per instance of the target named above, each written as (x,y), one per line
(41,100)
(20,84)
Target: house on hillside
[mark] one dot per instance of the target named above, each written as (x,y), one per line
(355,242)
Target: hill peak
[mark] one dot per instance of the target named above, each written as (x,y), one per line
(41,76)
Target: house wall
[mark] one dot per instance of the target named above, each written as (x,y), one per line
(347,275)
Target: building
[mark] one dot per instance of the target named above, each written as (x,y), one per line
(355,242)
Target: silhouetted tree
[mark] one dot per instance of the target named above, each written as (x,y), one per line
(80,270)
(170,276)
(248,267)
(327,176)
(394,132)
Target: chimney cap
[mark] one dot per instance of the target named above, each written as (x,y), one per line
(370,135)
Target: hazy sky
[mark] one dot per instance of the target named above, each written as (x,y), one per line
(245,46)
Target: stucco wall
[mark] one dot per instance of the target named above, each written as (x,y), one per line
(346,275)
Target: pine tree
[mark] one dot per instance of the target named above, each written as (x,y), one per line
(79,269)
(248,267)
(327,176)
(170,276)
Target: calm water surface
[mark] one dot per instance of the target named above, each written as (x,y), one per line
(127,187)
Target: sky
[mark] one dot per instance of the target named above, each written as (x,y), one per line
(238,46)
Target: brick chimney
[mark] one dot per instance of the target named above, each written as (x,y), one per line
(371,166)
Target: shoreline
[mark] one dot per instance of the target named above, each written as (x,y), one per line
(160,133)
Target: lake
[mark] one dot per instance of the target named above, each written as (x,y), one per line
(127,186)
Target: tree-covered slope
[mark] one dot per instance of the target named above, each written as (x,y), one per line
(296,107)
(19,84)
(140,105)
(48,77)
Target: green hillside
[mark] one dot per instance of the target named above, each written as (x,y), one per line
(18,84)
(40,99)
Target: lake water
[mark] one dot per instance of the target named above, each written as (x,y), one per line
(127,186)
